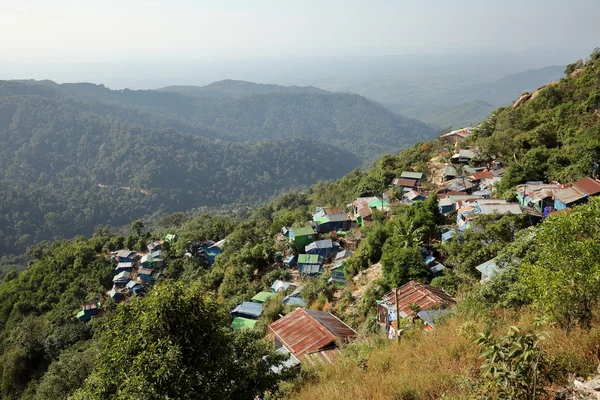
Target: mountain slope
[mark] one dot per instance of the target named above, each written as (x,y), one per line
(233,88)
(65,169)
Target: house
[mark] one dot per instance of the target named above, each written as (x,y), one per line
(430,317)
(362,208)
(449,172)
(290,261)
(445,205)
(147,261)
(568,197)
(404,184)
(332,222)
(342,255)
(215,250)
(311,335)
(416,176)
(153,245)
(121,278)
(323,211)
(463,156)
(459,135)
(123,266)
(537,196)
(87,311)
(488,269)
(280,286)
(309,264)
(477,177)
(115,294)
(135,287)
(413,297)
(436,269)
(412,196)
(248,310)
(171,237)
(290,362)
(588,186)
(460,184)
(448,236)
(261,297)
(300,237)
(323,248)
(145,274)
(242,323)
(498,208)
(338,274)
(294,298)
(127,256)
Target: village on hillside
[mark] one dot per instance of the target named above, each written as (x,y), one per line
(465,188)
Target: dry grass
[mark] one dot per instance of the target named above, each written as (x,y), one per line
(440,365)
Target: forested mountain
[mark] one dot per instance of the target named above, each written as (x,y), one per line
(232,88)
(68,151)
(175,341)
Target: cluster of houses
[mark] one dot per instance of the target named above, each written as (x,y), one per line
(133,271)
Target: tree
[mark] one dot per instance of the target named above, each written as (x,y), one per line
(174,343)
(137,226)
(564,282)
(402,264)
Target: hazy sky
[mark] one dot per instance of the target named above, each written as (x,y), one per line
(109,30)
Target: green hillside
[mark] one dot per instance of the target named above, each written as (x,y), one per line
(232,88)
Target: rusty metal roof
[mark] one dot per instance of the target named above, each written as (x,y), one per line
(423,296)
(568,195)
(589,186)
(404,182)
(332,210)
(477,176)
(308,331)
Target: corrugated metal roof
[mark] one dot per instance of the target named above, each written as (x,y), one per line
(512,208)
(308,331)
(126,254)
(332,210)
(304,231)
(411,175)
(124,265)
(310,269)
(319,244)
(588,186)
(343,254)
(242,323)
(145,271)
(404,182)
(122,276)
(308,259)
(249,308)
(336,217)
(568,195)
(423,296)
(450,171)
(261,297)
(488,268)
(477,176)
(280,286)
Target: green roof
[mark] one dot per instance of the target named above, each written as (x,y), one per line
(242,323)
(378,203)
(262,297)
(170,237)
(321,220)
(304,231)
(80,314)
(411,175)
(308,259)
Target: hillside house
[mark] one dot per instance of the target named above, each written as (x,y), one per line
(116,294)
(123,266)
(362,209)
(127,256)
(488,269)
(248,310)
(147,261)
(295,298)
(416,176)
(430,317)
(290,261)
(309,264)
(214,250)
(323,211)
(458,135)
(412,297)
(121,278)
(300,237)
(145,274)
(404,184)
(332,222)
(261,297)
(135,287)
(537,196)
(588,186)
(323,248)
(242,323)
(448,173)
(464,156)
(280,286)
(568,197)
(412,196)
(87,311)
(311,335)
(460,184)
(153,245)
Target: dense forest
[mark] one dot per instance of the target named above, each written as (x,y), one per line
(76,155)
(175,341)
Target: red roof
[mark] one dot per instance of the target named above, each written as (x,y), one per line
(308,331)
(478,176)
(589,186)
(423,296)
(404,182)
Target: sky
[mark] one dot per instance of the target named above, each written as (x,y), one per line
(58,31)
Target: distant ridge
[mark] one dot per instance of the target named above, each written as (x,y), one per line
(235,88)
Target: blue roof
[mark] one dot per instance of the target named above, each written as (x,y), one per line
(249,308)
(437,268)
(289,259)
(447,236)
(429,260)
(294,301)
